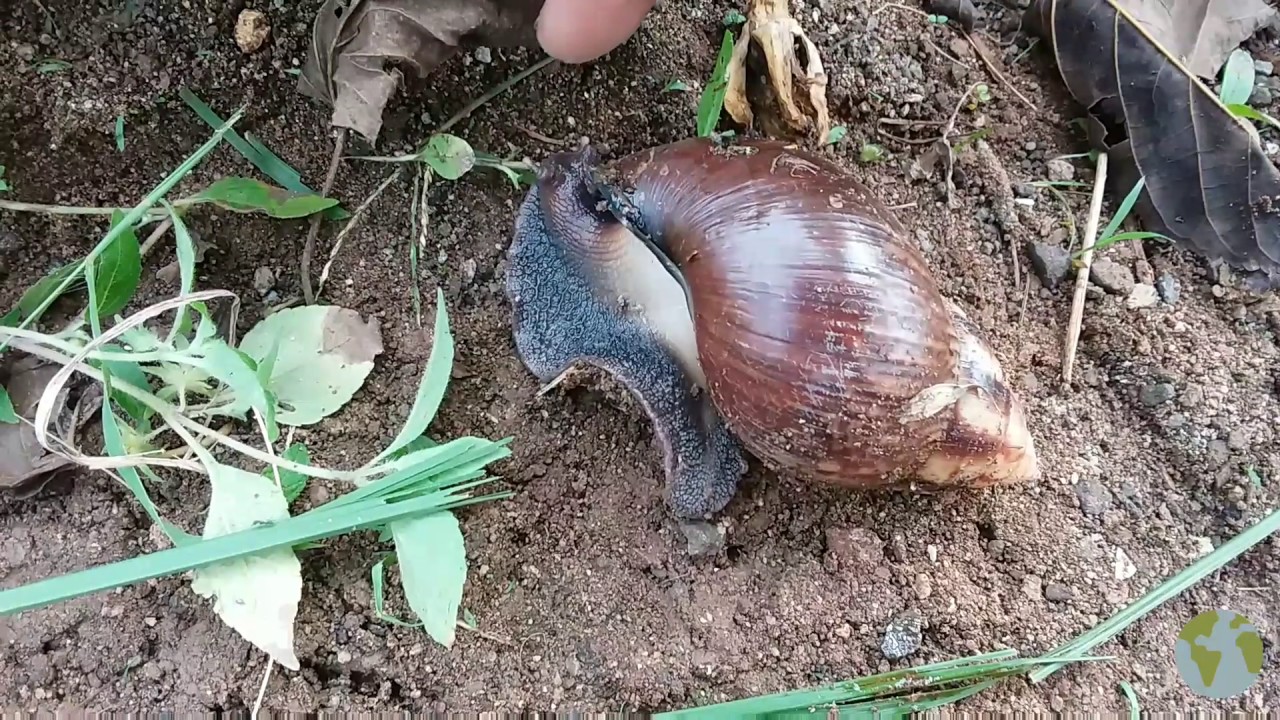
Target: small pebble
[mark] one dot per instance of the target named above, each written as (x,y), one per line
(1156,394)
(1261,95)
(251,30)
(1095,498)
(902,636)
(1051,263)
(1262,67)
(1057,592)
(1112,277)
(1060,170)
(263,280)
(1124,567)
(1169,288)
(704,539)
(1142,296)
(484,55)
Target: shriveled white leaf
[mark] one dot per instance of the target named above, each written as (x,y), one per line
(325,354)
(256,595)
(433,569)
(931,401)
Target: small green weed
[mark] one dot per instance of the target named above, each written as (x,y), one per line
(835,135)
(1238,77)
(712,101)
(871,153)
(160,386)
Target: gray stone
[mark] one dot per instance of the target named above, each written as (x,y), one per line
(1262,67)
(263,280)
(1169,288)
(1051,263)
(903,635)
(1112,277)
(1218,452)
(1057,592)
(1261,96)
(1095,498)
(1157,394)
(704,539)
(1060,170)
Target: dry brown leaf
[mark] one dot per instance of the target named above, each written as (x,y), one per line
(356,43)
(350,336)
(25,466)
(1201,33)
(1208,183)
(791,98)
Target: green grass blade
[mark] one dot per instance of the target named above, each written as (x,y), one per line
(308,527)
(1161,594)
(712,100)
(435,379)
(255,152)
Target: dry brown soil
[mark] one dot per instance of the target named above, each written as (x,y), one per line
(582,582)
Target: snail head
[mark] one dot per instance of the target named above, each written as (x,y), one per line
(587,290)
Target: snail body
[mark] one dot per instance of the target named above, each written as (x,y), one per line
(757,296)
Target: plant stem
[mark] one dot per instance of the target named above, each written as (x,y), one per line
(1076,319)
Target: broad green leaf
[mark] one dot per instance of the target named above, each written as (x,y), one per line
(1237,78)
(435,379)
(255,152)
(113,443)
(117,271)
(7,414)
(325,354)
(291,482)
(249,195)
(132,374)
(256,595)
(44,289)
(239,372)
(712,101)
(449,156)
(433,570)
(185,249)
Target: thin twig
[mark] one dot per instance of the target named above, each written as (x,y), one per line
(309,248)
(981,51)
(155,236)
(947,130)
(486,635)
(262,691)
(949,56)
(1082,275)
(351,225)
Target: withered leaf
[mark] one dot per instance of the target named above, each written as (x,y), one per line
(1209,186)
(356,43)
(1200,33)
(25,466)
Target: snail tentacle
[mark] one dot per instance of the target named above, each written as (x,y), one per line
(584,292)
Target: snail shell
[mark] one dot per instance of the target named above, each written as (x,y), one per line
(755,295)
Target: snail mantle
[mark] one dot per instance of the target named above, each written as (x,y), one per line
(756,297)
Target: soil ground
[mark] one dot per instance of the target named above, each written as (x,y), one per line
(581,583)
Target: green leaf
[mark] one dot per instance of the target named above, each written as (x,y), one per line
(117,271)
(120,133)
(4,184)
(712,101)
(239,372)
(433,570)
(256,595)
(52,65)
(449,156)
(249,195)
(260,155)
(676,86)
(8,415)
(1237,78)
(1249,113)
(871,153)
(132,374)
(291,481)
(836,134)
(325,354)
(45,289)
(431,388)
(113,443)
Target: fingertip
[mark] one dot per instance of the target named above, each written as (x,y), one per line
(578,31)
